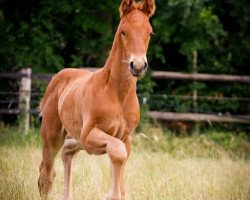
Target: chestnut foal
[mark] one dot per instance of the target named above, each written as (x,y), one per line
(97,112)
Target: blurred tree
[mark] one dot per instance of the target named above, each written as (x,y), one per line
(48,35)
(187,26)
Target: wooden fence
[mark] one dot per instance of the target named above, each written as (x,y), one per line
(197,117)
(201,77)
(25,96)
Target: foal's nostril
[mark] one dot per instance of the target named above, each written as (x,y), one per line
(145,65)
(132,65)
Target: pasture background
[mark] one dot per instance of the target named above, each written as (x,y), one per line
(50,35)
(162,166)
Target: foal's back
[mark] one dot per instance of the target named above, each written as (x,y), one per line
(58,84)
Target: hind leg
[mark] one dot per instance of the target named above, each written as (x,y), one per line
(53,138)
(70,148)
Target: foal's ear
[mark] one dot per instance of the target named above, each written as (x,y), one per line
(149,7)
(125,7)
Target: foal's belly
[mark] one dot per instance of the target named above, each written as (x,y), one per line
(69,114)
(72,125)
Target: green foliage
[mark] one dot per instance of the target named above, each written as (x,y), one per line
(14,137)
(54,34)
(50,35)
(145,86)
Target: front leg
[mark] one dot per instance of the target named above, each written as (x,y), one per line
(98,142)
(128,145)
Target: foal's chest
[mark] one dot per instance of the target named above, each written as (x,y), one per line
(112,123)
(115,118)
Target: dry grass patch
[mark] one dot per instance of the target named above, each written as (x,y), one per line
(149,176)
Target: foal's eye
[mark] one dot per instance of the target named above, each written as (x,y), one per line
(123,33)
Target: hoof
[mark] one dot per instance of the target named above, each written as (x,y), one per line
(112,197)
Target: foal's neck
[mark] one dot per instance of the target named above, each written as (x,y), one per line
(116,71)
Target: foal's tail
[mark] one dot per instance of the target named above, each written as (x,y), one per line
(39,108)
(55,82)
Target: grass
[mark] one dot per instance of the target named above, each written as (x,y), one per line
(212,167)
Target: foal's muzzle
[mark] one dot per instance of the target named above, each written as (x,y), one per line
(138,66)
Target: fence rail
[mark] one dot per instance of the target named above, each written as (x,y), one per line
(200,77)
(45,77)
(169,116)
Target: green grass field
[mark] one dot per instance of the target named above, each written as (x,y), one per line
(212,167)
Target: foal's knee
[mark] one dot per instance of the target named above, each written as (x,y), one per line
(117,151)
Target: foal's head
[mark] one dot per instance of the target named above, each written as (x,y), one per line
(135,31)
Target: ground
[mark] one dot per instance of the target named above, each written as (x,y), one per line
(187,170)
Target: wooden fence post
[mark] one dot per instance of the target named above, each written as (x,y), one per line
(24,99)
(195,92)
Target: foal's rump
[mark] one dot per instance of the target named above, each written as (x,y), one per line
(57,85)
